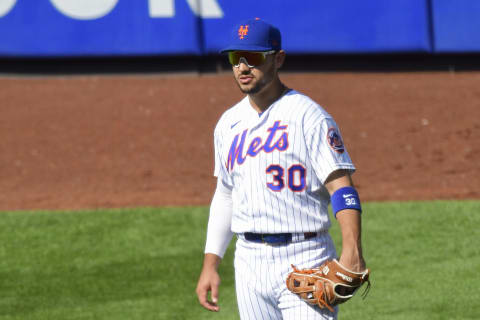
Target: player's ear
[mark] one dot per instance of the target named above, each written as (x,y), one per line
(279,58)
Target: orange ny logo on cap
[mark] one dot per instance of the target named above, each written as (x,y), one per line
(242,31)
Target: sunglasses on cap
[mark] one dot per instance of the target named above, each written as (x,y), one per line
(250,58)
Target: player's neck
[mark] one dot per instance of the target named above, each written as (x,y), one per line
(262,100)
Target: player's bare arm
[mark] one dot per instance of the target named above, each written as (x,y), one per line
(209,281)
(350,224)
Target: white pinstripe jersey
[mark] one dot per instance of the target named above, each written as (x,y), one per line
(276,164)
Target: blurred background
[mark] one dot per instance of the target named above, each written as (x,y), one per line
(112,103)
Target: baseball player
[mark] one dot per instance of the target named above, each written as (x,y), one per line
(279,162)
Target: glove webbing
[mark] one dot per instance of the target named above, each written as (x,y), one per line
(321,301)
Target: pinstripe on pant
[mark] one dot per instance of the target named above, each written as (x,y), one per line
(260,274)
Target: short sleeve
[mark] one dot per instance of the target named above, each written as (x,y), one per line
(219,169)
(326,149)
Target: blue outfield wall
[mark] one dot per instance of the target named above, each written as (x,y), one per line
(99,28)
(56,28)
(456,26)
(340,26)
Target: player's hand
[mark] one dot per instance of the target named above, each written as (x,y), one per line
(209,281)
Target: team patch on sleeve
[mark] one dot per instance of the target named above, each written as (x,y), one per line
(335,140)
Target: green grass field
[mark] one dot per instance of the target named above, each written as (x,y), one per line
(144,263)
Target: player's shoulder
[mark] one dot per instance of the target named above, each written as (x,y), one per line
(232,115)
(305,105)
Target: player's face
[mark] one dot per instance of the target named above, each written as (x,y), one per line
(253,79)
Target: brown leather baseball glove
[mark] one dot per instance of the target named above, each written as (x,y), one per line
(327,285)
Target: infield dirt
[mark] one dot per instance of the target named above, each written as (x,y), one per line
(128,141)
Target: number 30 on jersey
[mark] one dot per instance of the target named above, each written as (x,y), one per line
(295,178)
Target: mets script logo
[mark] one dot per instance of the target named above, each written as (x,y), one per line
(273,142)
(242,31)
(335,140)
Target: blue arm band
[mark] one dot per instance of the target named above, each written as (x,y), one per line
(345,198)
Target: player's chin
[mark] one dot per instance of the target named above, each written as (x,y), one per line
(250,88)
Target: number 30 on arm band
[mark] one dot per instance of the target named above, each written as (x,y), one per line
(345,198)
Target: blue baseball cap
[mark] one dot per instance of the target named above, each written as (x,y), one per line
(254,35)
